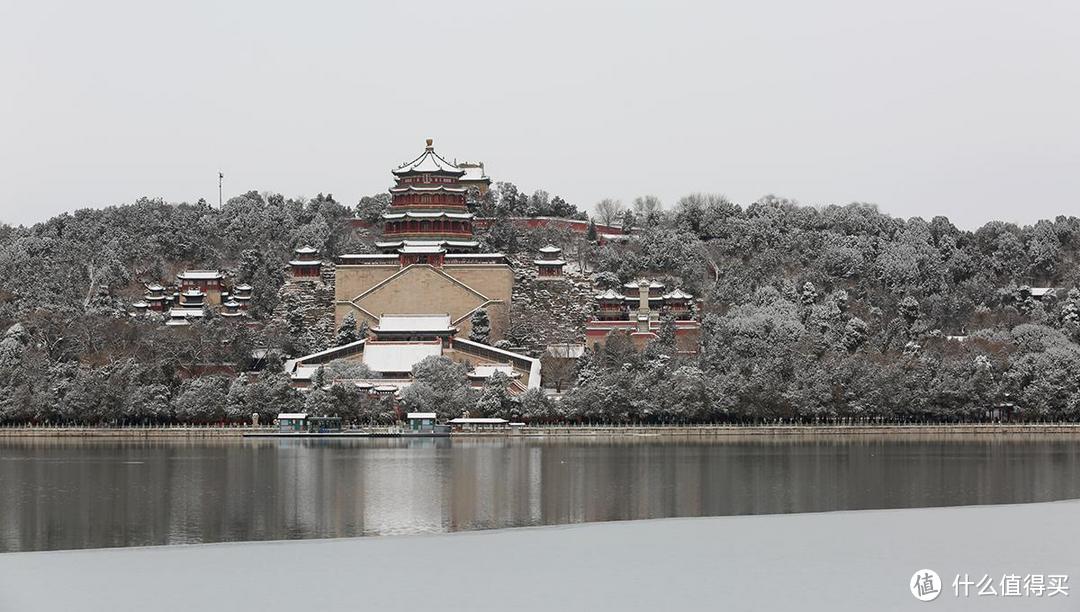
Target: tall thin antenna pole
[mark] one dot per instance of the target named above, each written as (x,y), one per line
(220,177)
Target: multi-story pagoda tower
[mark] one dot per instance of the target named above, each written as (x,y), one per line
(428,264)
(428,209)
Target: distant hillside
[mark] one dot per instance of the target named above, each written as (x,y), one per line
(834,312)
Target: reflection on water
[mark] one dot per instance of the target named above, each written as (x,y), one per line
(77,493)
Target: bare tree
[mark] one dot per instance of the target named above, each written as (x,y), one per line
(559,365)
(646,205)
(608,210)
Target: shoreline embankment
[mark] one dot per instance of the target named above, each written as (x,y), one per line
(702,431)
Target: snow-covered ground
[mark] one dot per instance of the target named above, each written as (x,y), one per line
(832,561)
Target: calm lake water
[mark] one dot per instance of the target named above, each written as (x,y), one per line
(71,493)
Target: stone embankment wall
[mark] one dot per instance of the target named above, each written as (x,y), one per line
(597,431)
(126,432)
(803,430)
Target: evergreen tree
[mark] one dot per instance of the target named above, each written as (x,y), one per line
(439,385)
(347,332)
(495,400)
(666,337)
(480,326)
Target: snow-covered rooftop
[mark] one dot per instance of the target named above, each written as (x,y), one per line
(304,372)
(477,421)
(243,287)
(155,287)
(549,262)
(292,415)
(610,294)
(637,284)
(488,370)
(414,322)
(305,262)
(426,215)
(429,161)
(1042,291)
(367,256)
(186,313)
(306,250)
(414,249)
(420,415)
(678,294)
(398,356)
(551,248)
(199,275)
(475,255)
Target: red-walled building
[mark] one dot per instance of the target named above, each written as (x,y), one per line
(638,313)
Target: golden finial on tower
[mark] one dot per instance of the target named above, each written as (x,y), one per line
(429,141)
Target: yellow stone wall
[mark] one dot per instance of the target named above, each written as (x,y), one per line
(455,289)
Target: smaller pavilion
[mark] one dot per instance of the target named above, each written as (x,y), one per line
(190,305)
(155,297)
(305,263)
(231,309)
(550,264)
(242,294)
(192,298)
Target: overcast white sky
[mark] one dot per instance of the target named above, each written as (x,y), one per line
(967,109)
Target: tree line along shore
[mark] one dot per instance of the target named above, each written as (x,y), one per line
(808,314)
